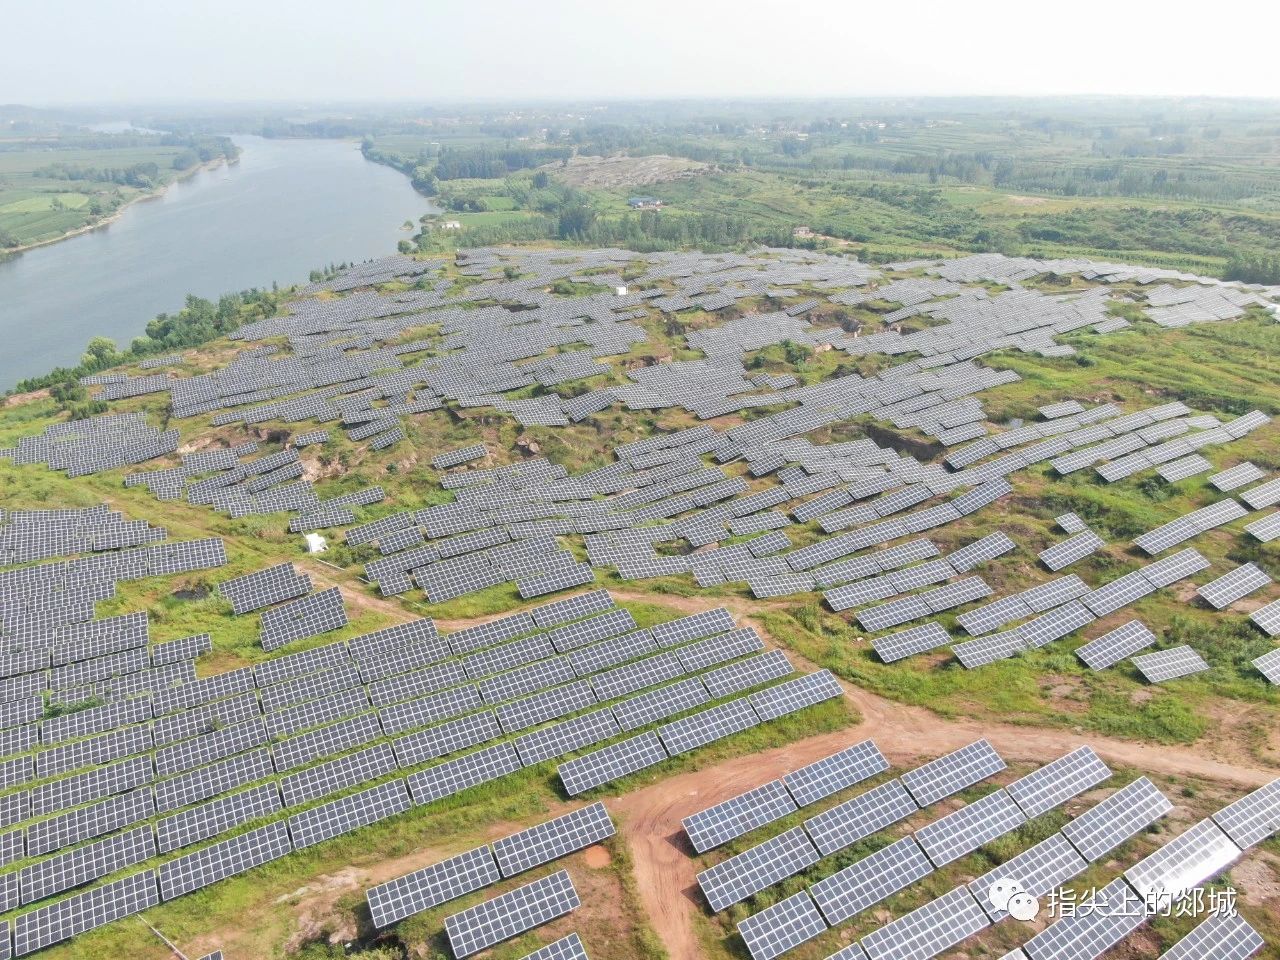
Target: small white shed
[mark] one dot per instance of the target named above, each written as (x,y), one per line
(316,543)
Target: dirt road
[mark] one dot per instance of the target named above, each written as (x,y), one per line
(650,818)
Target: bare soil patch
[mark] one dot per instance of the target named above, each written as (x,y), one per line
(624,171)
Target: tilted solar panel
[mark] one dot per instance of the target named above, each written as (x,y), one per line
(761,866)
(928,930)
(870,880)
(431,886)
(1220,937)
(1105,826)
(738,815)
(780,927)
(552,839)
(1058,781)
(953,772)
(511,913)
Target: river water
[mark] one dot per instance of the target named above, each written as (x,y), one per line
(286,208)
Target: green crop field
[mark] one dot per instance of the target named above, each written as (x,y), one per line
(51,186)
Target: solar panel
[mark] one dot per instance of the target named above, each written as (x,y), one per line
(1220,937)
(85,911)
(870,880)
(827,776)
(1252,818)
(491,633)
(1173,568)
(707,726)
(905,643)
(1098,923)
(745,674)
(216,816)
(200,784)
(547,705)
(583,632)
(553,839)
(566,948)
(1058,781)
(325,741)
(1070,523)
(753,870)
(1229,588)
(611,762)
(928,930)
(431,886)
(985,650)
(1170,664)
(469,770)
(1267,618)
(793,695)
(645,708)
(317,713)
(636,676)
(1038,870)
(84,864)
(447,738)
(309,617)
(1184,467)
(738,815)
(1269,665)
(1116,645)
(86,823)
(1262,496)
(610,653)
(693,627)
(860,817)
(262,588)
(571,608)
(718,649)
(1063,554)
(93,785)
(508,656)
(781,927)
(1191,858)
(195,871)
(953,772)
(1119,593)
(1235,477)
(429,709)
(561,738)
(973,825)
(1265,529)
(1105,826)
(510,914)
(348,813)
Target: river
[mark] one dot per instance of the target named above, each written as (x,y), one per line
(285,208)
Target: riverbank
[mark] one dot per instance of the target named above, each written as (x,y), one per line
(282,210)
(10,252)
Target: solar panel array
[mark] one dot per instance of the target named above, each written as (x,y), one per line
(511,914)
(1233,586)
(504,523)
(1164,665)
(953,772)
(1116,645)
(1220,937)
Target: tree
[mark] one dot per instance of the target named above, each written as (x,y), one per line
(100,352)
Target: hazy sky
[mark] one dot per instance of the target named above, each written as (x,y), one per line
(60,51)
